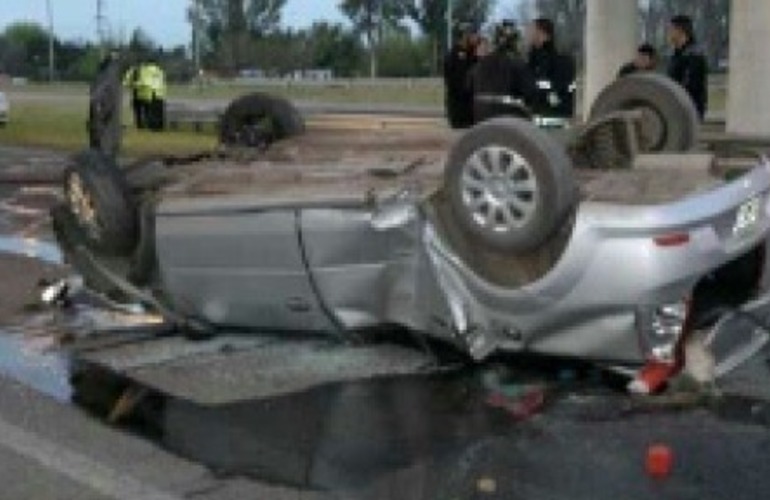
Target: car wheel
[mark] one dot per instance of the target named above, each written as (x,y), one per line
(258,119)
(669,121)
(98,198)
(509,185)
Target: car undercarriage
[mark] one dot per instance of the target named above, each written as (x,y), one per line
(499,239)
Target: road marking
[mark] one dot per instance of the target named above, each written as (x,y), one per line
(78,467)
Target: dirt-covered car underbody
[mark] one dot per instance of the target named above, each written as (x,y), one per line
(492,240)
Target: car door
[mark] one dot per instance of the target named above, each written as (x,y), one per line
(237,265)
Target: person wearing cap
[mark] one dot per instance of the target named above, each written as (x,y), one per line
(554,73)
(458,64)
(646,60)
(688,65)
(501,83)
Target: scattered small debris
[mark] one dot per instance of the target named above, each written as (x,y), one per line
(522,407)
(660,461)
(487,486)
(127,402)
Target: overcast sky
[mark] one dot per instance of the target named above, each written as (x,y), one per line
(164,20)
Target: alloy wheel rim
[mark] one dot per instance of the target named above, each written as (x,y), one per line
(499,189)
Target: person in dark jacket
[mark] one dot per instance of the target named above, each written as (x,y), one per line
(501,82)
(554,73)
(646,60)
(688,65)
(458,64)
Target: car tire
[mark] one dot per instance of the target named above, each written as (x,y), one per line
(254,119)
(98,198)
(510,185)
(670,122)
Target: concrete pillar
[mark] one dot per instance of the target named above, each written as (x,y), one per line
(748,105)
(612,36)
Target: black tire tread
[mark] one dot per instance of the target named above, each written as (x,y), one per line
(104,180)
(659,92)
(287,120)
(555,175)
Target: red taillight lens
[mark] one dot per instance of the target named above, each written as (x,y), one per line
(672,240)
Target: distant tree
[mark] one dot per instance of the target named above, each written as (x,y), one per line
(370,18)
(264,16)
(402,55)
(229,27)
(431,15)
(25,50)
(85,66)
(332,46)
(140,46)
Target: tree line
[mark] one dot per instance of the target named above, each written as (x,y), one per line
(24,52)
(379,38)
(388,38)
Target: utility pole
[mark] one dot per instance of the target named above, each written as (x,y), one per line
(101,24)
(196,33)
(380,34)
(450,20)
(51,41)
(371,35)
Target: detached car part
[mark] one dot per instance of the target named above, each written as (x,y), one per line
(256,120)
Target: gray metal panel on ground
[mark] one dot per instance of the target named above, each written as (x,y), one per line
(230,369)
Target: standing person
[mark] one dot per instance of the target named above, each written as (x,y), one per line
(154,78)
(646,60)
(138,106)
(501,82)
(458,64)
(688,65)
(554,73)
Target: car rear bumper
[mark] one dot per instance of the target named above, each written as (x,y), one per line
(621,261)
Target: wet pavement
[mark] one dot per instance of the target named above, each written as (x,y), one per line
(451,435)
(519,428)
(31,166)
(27,252)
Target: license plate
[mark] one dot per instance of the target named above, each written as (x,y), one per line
(748,217)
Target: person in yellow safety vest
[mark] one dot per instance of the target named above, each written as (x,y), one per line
(138,105)
(147,83)
(153,91)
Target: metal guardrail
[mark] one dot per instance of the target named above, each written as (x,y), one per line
(199,116)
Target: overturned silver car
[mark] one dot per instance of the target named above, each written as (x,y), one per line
(495,240)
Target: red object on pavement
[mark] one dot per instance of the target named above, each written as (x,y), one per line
(520,408)
(655,375)
(660,461)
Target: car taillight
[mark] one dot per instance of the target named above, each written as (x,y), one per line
(672,240)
